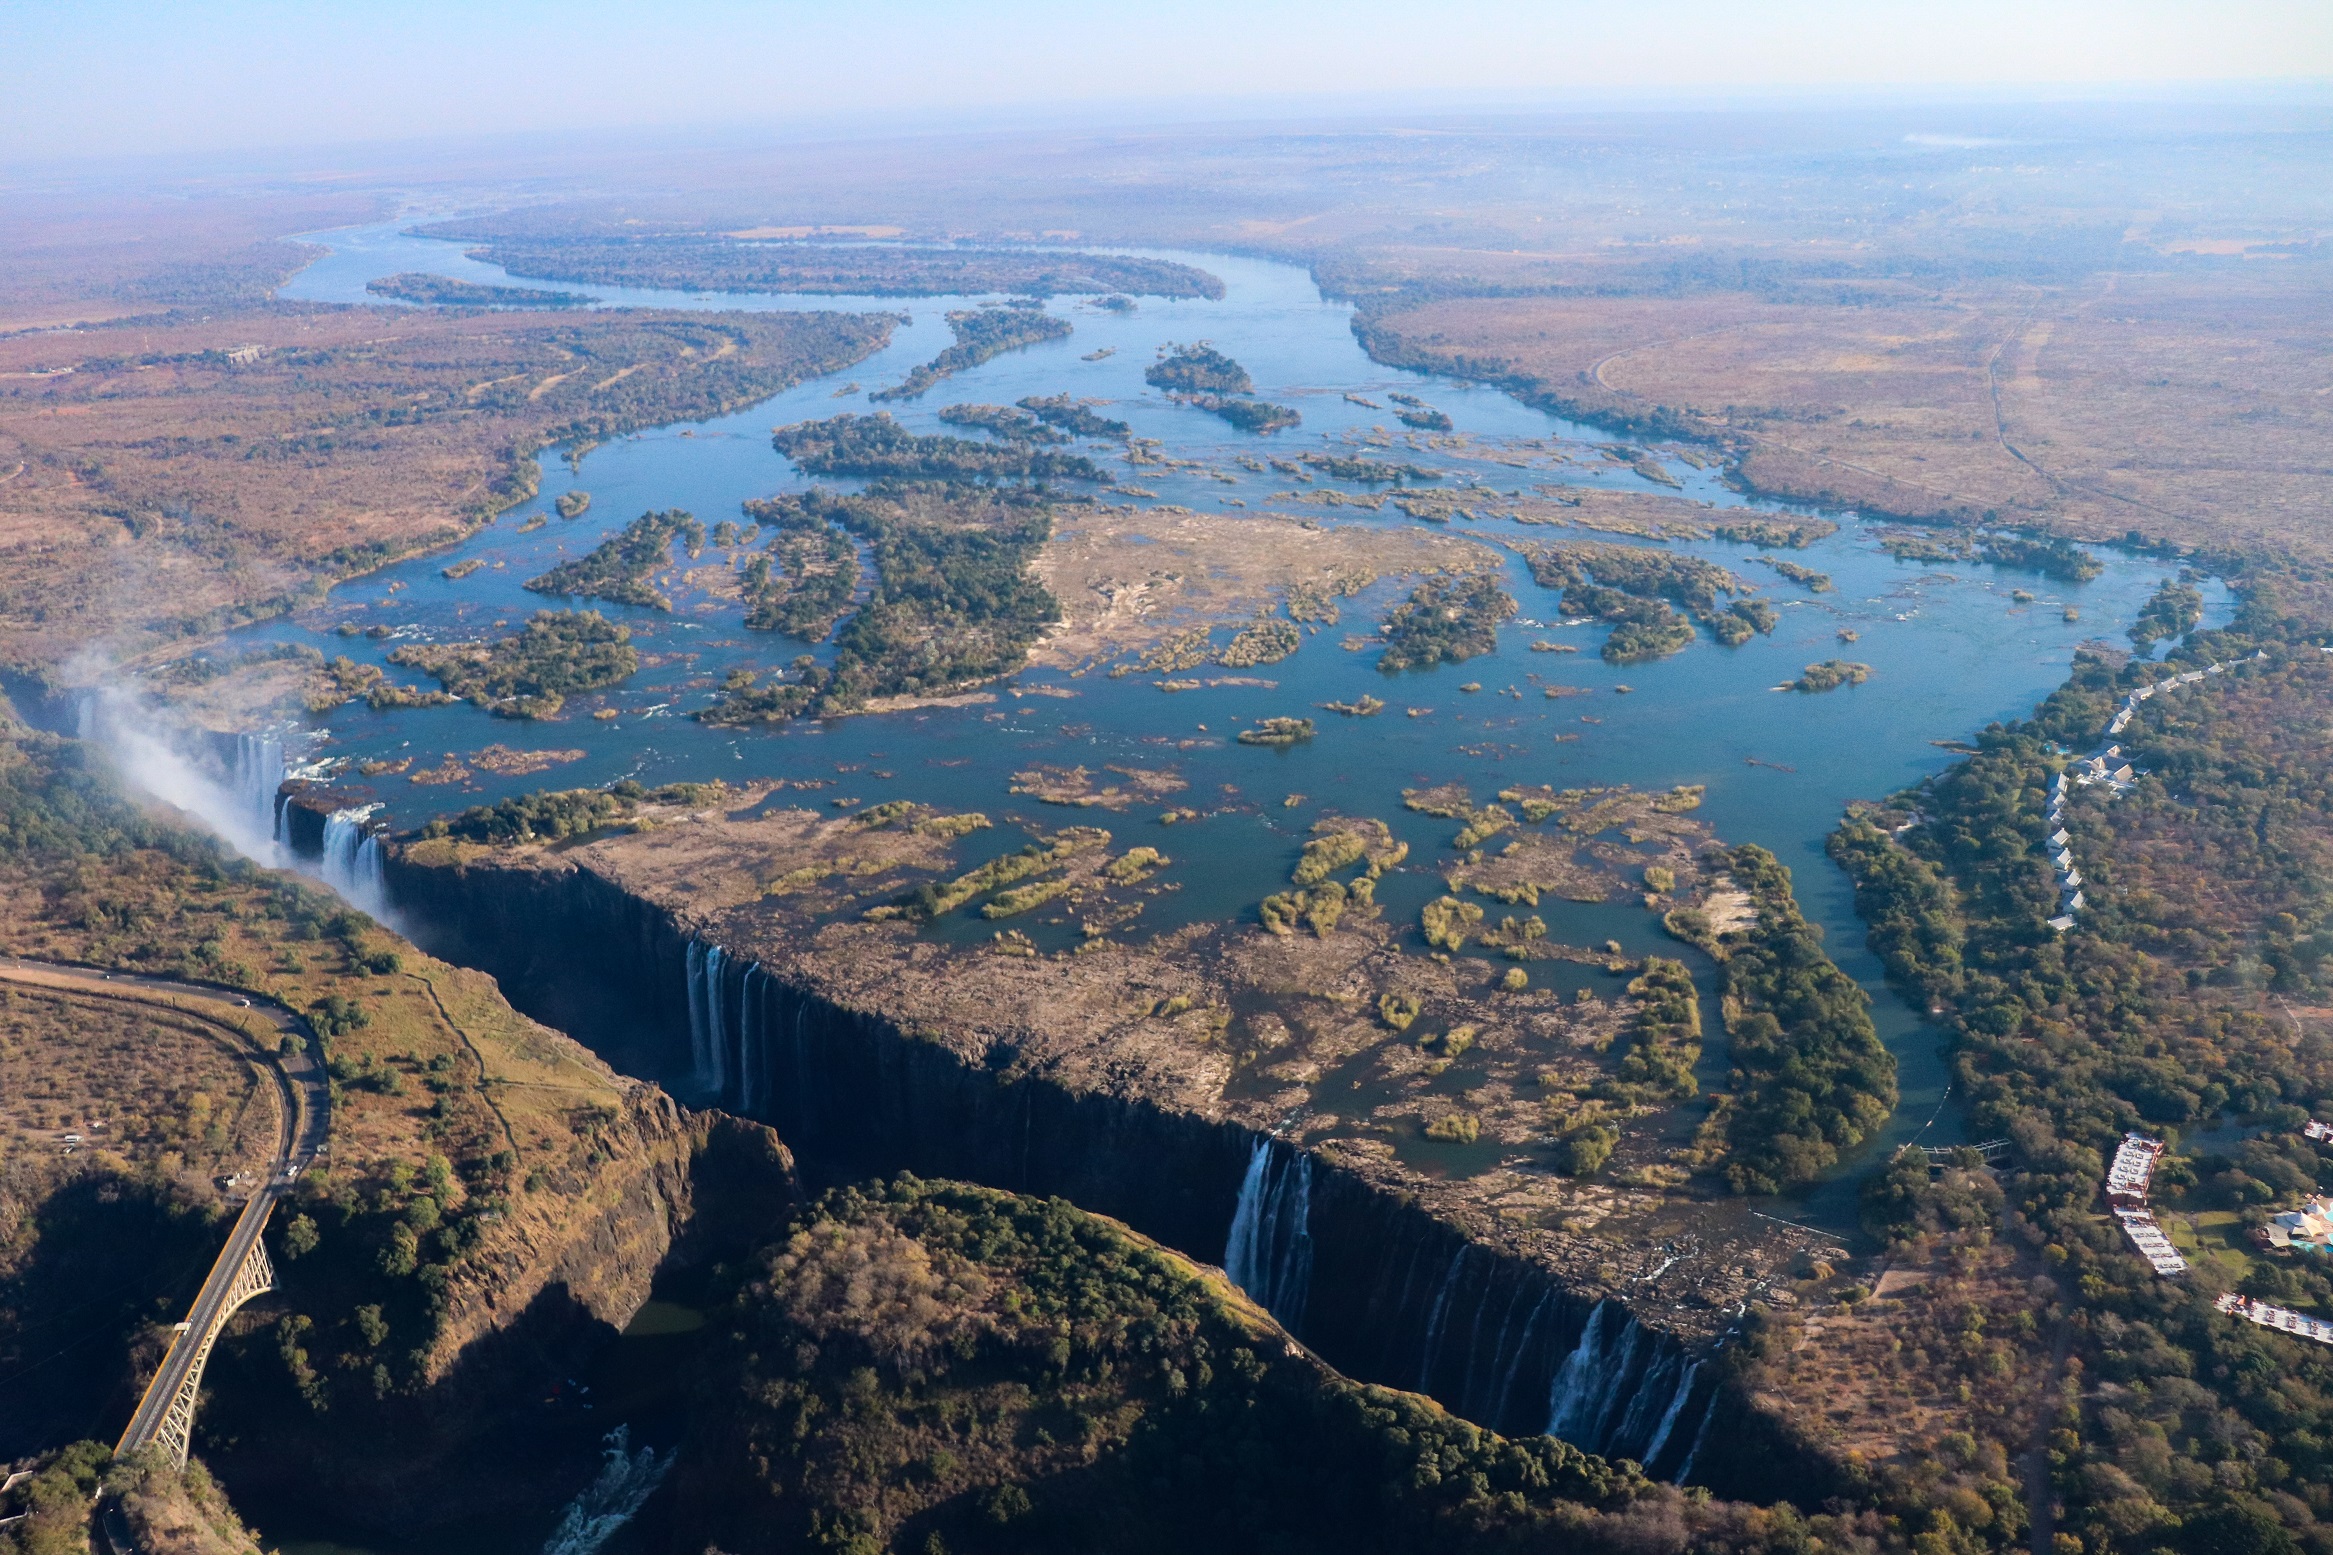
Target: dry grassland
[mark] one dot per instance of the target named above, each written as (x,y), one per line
(2195,408)
(1130,578)
(162,478)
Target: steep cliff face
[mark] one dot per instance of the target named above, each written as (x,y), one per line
(647,1189)
(1388,1278)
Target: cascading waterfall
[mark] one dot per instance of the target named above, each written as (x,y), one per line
(1623,1393)
(1439,1316)
(625,1482)
(1269,1251)
(354,863)
(257,780)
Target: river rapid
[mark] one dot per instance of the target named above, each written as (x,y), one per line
(1950,648)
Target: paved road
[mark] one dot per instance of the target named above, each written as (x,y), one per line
(306,1112)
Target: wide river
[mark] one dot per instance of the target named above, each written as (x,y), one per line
(1951,649)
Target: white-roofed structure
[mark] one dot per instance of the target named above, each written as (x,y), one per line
(2282,1319)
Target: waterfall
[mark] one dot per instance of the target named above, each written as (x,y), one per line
(625,1482)
(1582,1384)
(1515,1364)
(354,863)
(749,1099)
(716,1024)
(1269,1251)
(699,1031)
(1623,1392)
(1441,1312)
(256,778)
(1668,1425)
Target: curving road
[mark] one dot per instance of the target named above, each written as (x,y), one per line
(306,1112)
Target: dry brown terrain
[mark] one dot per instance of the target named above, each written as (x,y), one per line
(2196,408)
(1274,1030)
(163,477)
(1130,578)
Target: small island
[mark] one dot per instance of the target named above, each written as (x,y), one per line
(443,291)
(1830,675)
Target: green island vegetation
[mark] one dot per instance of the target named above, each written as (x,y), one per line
(1446,618)
(572,504)
(953,601)
(1320,900)
(1116,304)
(1633,586)
(446,292)
(1247,415)
(1005,421)
(982,335)
(1197,369)
(1426,419)
(1663,1036)
(1447,922)
(937,898)
(876,446)
(932,1366)
(1365,707)
(342,680)
(1830,675)
(2173,610)
(2169,1009)
(530,675)
(1810,1078)
(803,583)
(1278,731)
(1369,472)
(1072,416)
(1266,640)
(1791,534)
(1806,577)
(2051,555)
(618,568)
(713,263)
(554,815)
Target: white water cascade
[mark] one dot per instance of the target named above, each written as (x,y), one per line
(708,1032)
(625,1482)
(1269,1251)
(1623,1392)
(354,862)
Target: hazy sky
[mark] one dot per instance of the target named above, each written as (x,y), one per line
(115,76)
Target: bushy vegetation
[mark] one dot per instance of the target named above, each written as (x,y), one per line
(618,568)
(1830,675)
(879,447)
(712,262)
(1198,369)
(1664,1035)
(555,655)
(926,1366)
(1811,1080)
(1446,618)
(1633,587)
(2173,610)
(1060,410)
(982,334)
(2170,1004)
(1005,421)
(447,292)
(1246,414)
(805,581)
(556,814)
(1369,472)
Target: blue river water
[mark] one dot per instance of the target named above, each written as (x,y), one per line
(1951,648)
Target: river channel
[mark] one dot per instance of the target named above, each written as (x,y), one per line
(1952,648)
